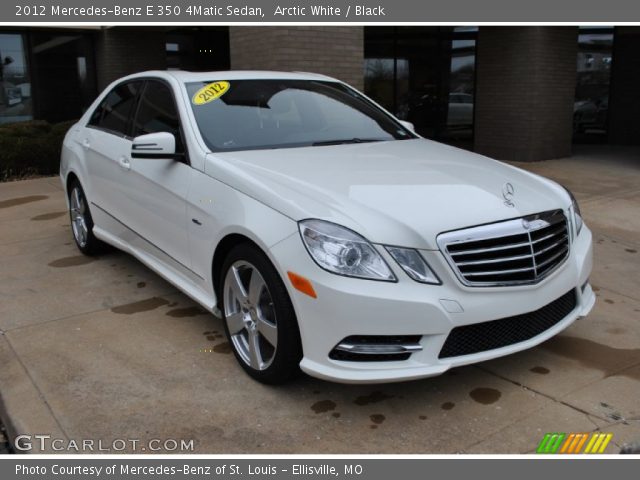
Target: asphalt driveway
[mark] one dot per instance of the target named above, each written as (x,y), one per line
(102,348)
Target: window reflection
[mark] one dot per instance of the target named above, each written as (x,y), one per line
(64,79)
(461,90)
(15,84)
(591,105)
(424,75)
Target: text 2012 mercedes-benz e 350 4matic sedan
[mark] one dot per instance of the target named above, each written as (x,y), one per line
(328,235)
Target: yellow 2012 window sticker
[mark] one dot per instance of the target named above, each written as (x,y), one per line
(210,92)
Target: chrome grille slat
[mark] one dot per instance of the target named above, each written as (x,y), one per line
(514,252)
(493,260)
(499,272)
(551,235)
(547,261)
(551,247)
(492,249)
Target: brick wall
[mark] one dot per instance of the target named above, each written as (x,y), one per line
(624,101)
(525,88)
(334,51)
(122,51)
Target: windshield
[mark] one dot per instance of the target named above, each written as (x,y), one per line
(257,114)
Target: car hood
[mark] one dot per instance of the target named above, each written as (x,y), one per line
(398,193)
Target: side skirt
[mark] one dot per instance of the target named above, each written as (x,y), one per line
(110,230)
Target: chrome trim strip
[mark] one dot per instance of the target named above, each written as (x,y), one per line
(379,349)
(491,249)
(551,247)
(551,235)
(499,272)
(548,260)
(492,260)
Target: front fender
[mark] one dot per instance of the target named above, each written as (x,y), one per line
(216,210)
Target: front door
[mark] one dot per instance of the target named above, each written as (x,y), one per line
(157,188)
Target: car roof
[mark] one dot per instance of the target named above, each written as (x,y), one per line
(185,76)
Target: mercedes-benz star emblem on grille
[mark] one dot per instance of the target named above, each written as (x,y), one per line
(507,193)
(534,224)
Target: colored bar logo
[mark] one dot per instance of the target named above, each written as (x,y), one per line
(574,443)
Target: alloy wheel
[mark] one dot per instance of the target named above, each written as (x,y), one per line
(250,315)
(78,217)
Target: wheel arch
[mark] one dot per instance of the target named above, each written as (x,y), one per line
(224,246)
(71,177)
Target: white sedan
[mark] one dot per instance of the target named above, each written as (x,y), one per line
(328,235)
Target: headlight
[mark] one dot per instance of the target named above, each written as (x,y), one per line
(342,251)
(414,265)
(577,216)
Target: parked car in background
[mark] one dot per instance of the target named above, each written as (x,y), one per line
(590,114)
(460,111)
(327,234)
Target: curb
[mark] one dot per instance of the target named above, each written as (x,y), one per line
(23,410)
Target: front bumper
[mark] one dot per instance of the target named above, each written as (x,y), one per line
(350,307)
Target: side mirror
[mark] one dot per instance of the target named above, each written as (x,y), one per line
(160,145)
(408,125)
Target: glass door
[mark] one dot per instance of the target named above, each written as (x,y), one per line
(15,82)
(425,75)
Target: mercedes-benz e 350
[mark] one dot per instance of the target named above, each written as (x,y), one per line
(326,233)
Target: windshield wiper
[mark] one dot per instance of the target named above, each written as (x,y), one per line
(345,141)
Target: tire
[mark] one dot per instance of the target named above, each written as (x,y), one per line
(82,222)
(257,312)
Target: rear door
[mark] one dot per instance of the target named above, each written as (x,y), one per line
(156,189)
(107,146)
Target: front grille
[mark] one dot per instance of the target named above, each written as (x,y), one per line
(481,337)
(513,252)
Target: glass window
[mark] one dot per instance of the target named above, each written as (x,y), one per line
(157,112)
(461,84)
(425,75)
(62,62)
(15,83)
(591,104)
(380,66)
(254,114)
(116,109)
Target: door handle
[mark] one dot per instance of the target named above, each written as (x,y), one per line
(125,163)
(85,143)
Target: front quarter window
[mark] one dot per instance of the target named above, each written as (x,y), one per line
(114,112)
(263,114)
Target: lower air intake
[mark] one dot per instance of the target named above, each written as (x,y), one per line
(481,337)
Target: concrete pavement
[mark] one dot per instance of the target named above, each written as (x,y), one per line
(105,349)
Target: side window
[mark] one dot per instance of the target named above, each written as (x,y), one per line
(157,113)
(114,112)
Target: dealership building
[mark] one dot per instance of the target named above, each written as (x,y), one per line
(516,92)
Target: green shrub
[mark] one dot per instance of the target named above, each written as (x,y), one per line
(31,148)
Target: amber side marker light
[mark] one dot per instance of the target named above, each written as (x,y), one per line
(302,284)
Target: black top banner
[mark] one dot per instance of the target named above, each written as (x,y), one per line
(303,11)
